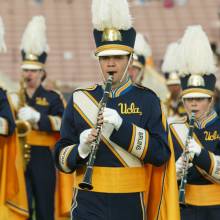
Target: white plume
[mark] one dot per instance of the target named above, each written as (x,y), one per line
(111,14)
(2,33)
(170,58)
(195,53)
(141,47)
(34,38)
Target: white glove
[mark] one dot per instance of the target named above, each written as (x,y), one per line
(84,147)
(179,167)
(194,147)
(28,114)
(111,116)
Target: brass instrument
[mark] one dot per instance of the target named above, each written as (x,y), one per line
(186,158)
(23,127)
(87,179)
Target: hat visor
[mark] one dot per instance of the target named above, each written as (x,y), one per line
(31,66)
(112,53)
(173,82)
(196,95)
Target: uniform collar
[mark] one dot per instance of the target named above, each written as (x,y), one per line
(37,92)
(207,121)
(122,89)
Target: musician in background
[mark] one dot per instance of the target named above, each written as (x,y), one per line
(142,50)
(43,110)
(13,199)
(142,70)
(133,134)
(173,105)
(202,191)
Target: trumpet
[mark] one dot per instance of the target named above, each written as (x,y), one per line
(186,158)
(23,127)
(87,179)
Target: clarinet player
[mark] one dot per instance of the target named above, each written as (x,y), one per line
(134,133)
(197,68)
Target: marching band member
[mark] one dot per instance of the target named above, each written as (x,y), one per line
(13,199)
(197,68)
(174,105)
(142,70)
(134,152)
(42,110)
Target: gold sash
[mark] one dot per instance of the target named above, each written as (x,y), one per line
(115,179)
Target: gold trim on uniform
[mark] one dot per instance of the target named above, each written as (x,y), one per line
(211,155)
(115,180)
(113,47)
(64,154)
(92,98)
(132,138)
(103,139)
(122,88)
(41,138)
(178,138)
(55,122)
(3,126)
(139,143)
(203,195)
(164,119)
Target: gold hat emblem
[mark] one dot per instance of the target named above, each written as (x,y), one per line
(111,34)
(31,57)
(196,81)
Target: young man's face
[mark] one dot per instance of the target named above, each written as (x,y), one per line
(115,64)
(32,77)
(201,106)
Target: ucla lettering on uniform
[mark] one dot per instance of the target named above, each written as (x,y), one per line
(125,109)
(209,136)
(42,101)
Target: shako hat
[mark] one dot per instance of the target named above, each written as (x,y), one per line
(113,31)
(142,51)
(34,46)
(196,64)
(169,66)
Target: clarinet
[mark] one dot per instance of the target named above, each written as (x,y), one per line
(87,179)
(186,158)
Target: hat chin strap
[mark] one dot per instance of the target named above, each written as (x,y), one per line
(124,74)
(126,69)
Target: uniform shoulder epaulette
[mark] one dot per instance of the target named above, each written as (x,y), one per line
(144,88)
(90,88)
(55,91)
(180,120)
(60,94)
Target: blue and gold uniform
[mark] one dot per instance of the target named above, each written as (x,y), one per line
(134,162)
(202,190)
(201,148)
(119,177)
(13,200)
(42,109)
(40,171)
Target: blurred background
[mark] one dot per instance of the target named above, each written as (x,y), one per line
(71,62)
